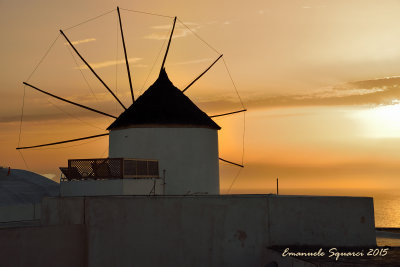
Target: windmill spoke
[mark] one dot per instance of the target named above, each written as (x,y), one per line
(230,162)
(229,113)
(63,142)
(169,43)
(126,56)
(68,101)
(95,74)
(198,77)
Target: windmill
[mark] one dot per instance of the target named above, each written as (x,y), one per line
(161,130)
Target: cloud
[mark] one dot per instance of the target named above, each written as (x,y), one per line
(179,31)
(335,93)
(384,83)
(88,40)
(192,61)
(109,63)
(368,92)
(383,91)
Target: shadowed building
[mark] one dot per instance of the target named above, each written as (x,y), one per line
(21,194)
(164,124)
(155,201)
(162,144)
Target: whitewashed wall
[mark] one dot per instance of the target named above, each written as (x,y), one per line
(20,212)
(224,230)
(111,187)
(189,155)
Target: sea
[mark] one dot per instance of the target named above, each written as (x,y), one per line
(387,215)
(387,211)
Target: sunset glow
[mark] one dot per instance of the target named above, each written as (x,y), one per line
(381,121)
(320,80)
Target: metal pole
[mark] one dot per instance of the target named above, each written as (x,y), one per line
(169,43)
(68,101)
(187,87)
(62,142)
(229,113)
(164,171)
(126,56)
(277,186)
(95,74)
(230,162)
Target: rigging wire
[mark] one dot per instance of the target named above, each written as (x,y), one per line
(86,21)
(230,76)
(23,98)
(44,56)
(92,70)
(210,46)
(234,85)
(154,63)
(234,180)
(22,156)
(22,115)
(72,116)
(20,128)
(116,82)
(147,13)
(244,122)
(116,68)
(237,175)
(79,68)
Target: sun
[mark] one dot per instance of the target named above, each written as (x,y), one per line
(382,121)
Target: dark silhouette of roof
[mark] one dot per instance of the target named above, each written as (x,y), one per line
(163,105)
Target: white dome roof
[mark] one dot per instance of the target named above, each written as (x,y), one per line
(24,187)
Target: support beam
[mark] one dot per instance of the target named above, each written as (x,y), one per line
(277,186)
(126,55)
(95,74)
(63,142)
(68,101)
(195,80)
(230,162)
(169,43)
(229,113)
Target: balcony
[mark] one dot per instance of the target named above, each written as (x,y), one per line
(109,168)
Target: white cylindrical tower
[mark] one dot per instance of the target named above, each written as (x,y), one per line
(165,125)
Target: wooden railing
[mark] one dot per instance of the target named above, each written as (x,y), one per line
(109,168)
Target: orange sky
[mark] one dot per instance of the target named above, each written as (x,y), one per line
(320,80)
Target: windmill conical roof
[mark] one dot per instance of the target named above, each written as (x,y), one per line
(163,105)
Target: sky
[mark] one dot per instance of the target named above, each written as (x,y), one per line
(320,80)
